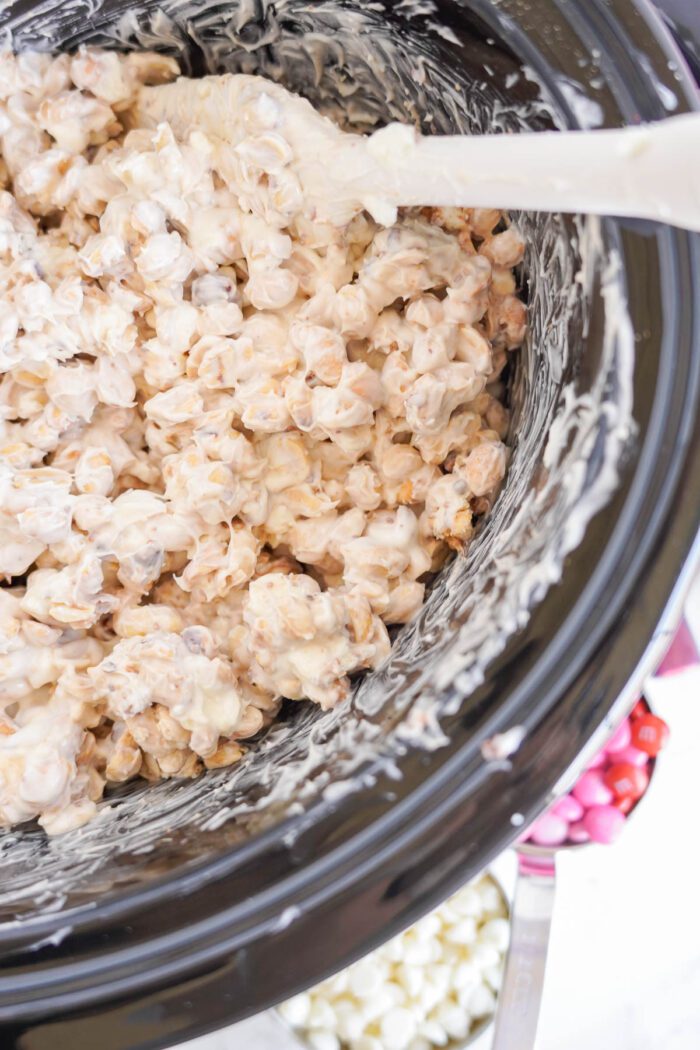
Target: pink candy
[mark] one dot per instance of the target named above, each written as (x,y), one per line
(549,830)
(633,756)
(615,779)
(569,809)
(578,833)
(620,739)
(604,823)
(591,789)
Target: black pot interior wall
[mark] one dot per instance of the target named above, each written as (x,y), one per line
(364,65)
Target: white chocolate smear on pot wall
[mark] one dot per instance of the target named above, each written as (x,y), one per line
(492,601)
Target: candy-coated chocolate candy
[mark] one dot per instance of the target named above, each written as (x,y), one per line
(600,759)
(624,804)
(620,738)
(568,808)
(549,830)
(640,708)
(578,833)
(626,780)
(591,789)
(633,755)
(604,823)
(649,734)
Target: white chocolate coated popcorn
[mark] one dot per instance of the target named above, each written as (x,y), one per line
(240,423)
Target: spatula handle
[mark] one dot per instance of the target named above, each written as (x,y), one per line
(651,171)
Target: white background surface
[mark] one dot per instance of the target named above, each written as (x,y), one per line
(623,970)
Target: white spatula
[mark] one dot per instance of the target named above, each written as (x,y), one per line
(650,171)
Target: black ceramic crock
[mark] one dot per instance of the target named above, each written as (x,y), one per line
(119,940)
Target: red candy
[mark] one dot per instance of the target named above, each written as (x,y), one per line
(615,780)
(633,756)
(640,709)
(649,734)
(626,780)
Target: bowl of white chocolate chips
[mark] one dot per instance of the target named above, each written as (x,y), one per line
(434,985)
(329,531)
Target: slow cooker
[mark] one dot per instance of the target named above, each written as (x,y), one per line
(189,905)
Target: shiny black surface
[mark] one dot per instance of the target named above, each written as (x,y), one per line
(683,19)
(227,938)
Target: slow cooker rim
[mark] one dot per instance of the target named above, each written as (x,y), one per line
(247,850)
(38,924)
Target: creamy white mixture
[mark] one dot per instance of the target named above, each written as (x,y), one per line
(237,429)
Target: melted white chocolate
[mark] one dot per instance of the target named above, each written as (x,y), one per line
(240,418)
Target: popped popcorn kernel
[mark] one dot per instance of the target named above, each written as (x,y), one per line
(236,435)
